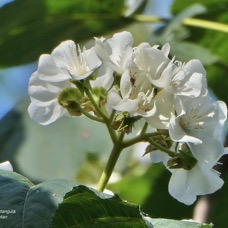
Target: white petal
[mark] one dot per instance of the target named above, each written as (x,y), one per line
(222,109)
(125,84)
(194,86)
(178,134)
(165,78)
(65,54)
(45,114)
(166,49)
(149,59)
(195,65)
(119,104)
(104,79)
(48,71)
(185,185)
(116,52)
(92,59)
(6,166)
(119,43)
(209,151)
(114,98)
(45,91)
(164,110)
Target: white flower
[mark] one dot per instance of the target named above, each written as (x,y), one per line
(44,87)
(116,52)
(135,95)
(6,166)
(154,63)
(157,68)
(183,80)
(186,185)
(79,64)
(104,78)
(196,123)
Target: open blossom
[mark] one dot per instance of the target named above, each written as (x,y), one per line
(135,95)
(186,184)
(184,80)
(136,89)
(116,52)
(154,62)
(53,76)
(79,64)
(196,123)
(44,87)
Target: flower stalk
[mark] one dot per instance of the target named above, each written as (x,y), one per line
(115,153)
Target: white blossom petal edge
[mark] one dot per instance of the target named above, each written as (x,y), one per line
(186,185)
(44,107)
(6,166)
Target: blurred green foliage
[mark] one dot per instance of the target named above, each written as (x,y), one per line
(29,28)
(214,41)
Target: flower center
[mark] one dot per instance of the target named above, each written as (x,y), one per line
(79,67)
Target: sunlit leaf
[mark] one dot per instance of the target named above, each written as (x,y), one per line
(61,203)
(83,207)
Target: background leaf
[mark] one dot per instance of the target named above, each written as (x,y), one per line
(11,136)
(29,28)
(169,223)
(215,42)
(59,149)
(33,206)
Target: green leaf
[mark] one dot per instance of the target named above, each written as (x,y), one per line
(29,28)
(169,223)
(28,205)
(215,42)
(190,11)
(184,51)
(84,207)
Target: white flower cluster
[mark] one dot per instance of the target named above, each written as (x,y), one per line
(142,81)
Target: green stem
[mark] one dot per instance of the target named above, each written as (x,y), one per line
(90,96)
(187,21)
(91,116)
(143,131)
(169,152)
(206,24)
(116,150)
(106,120)
(140,138)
